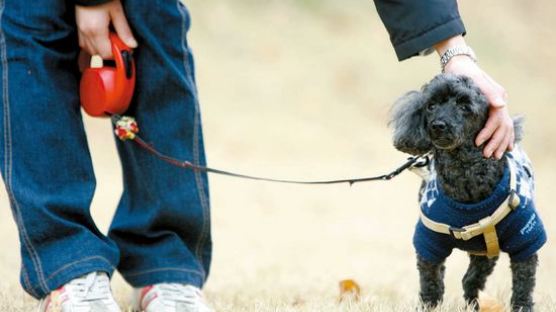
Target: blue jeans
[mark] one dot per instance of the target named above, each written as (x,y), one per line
(161,229)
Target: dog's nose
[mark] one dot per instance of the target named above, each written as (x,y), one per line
(438,125)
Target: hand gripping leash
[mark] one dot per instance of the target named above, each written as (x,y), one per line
(107,92)
(108,89)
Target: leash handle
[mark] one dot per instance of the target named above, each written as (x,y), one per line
(109,89)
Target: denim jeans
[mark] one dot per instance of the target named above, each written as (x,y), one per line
(161,229)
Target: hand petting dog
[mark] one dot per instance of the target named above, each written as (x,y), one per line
(498,133)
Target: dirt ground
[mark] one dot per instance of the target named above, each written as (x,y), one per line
(302,89)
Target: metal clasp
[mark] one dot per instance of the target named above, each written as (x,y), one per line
(456,232)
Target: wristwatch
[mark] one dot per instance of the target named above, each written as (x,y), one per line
(457,50)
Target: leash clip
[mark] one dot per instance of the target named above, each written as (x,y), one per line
(422,161)
(412,162)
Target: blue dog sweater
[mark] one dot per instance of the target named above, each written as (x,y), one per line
(520,234)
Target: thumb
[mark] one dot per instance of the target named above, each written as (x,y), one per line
(122,28)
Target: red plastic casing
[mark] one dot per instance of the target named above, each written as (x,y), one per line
(108,90)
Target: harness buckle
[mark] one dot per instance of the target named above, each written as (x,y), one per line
(463,233)
(456,232)
(514,201)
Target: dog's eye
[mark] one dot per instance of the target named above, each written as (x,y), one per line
(464,108)
(463,99)
(431,106)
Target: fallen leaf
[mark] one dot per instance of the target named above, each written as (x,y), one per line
(490,304)
(349,290)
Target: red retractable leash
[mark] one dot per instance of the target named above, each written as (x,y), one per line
(107,92)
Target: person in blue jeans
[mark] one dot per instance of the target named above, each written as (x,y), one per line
(160,237)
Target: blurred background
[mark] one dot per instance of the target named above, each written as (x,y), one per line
(302,89)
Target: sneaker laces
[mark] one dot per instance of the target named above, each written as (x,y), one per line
(172,293)
(90,287)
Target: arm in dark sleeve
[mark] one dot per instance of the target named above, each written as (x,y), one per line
(90,2)
(416,25)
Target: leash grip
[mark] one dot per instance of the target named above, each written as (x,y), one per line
(108,90)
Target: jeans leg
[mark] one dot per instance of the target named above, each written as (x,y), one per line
(162,225)
(44,156)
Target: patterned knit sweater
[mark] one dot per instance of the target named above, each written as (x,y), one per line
(520,234)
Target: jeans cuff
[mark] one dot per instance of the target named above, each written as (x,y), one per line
(164,275)
(69,272)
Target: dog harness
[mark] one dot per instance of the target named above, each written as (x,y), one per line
(507,220)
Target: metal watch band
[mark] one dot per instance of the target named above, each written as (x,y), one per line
(457,50)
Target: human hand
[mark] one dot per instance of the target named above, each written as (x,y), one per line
(93,25)
(498,132)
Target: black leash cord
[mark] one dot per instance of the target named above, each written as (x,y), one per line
(411,162)
(415,161)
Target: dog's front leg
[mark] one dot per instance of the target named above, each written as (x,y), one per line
(479,269)
(523,283)
(431,277)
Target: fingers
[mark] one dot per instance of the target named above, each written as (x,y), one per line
(101,43)
(494,143)
(93,24)
(122,28)
(499,133)
(93,32)
(96,44)
(505,146)
(485,134)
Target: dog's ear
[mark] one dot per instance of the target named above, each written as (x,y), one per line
(408,123)
(518,128)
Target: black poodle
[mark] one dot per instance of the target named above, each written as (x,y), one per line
(467,202)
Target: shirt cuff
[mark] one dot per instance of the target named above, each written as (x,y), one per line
(90,2)
(426,40)
(426,51)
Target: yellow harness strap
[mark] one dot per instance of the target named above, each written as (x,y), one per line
(485,226)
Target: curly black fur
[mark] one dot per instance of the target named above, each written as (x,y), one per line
(523,283)
(479,269)
(445,118)
(431,281)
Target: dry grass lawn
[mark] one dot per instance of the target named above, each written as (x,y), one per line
(302,89)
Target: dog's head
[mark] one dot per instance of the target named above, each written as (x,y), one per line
(448,112)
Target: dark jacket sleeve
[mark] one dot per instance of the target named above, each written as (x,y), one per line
(416,25)
(90,2)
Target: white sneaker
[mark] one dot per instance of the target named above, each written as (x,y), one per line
(88,293)
(169,297)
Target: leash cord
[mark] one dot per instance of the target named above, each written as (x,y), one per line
(126,134)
